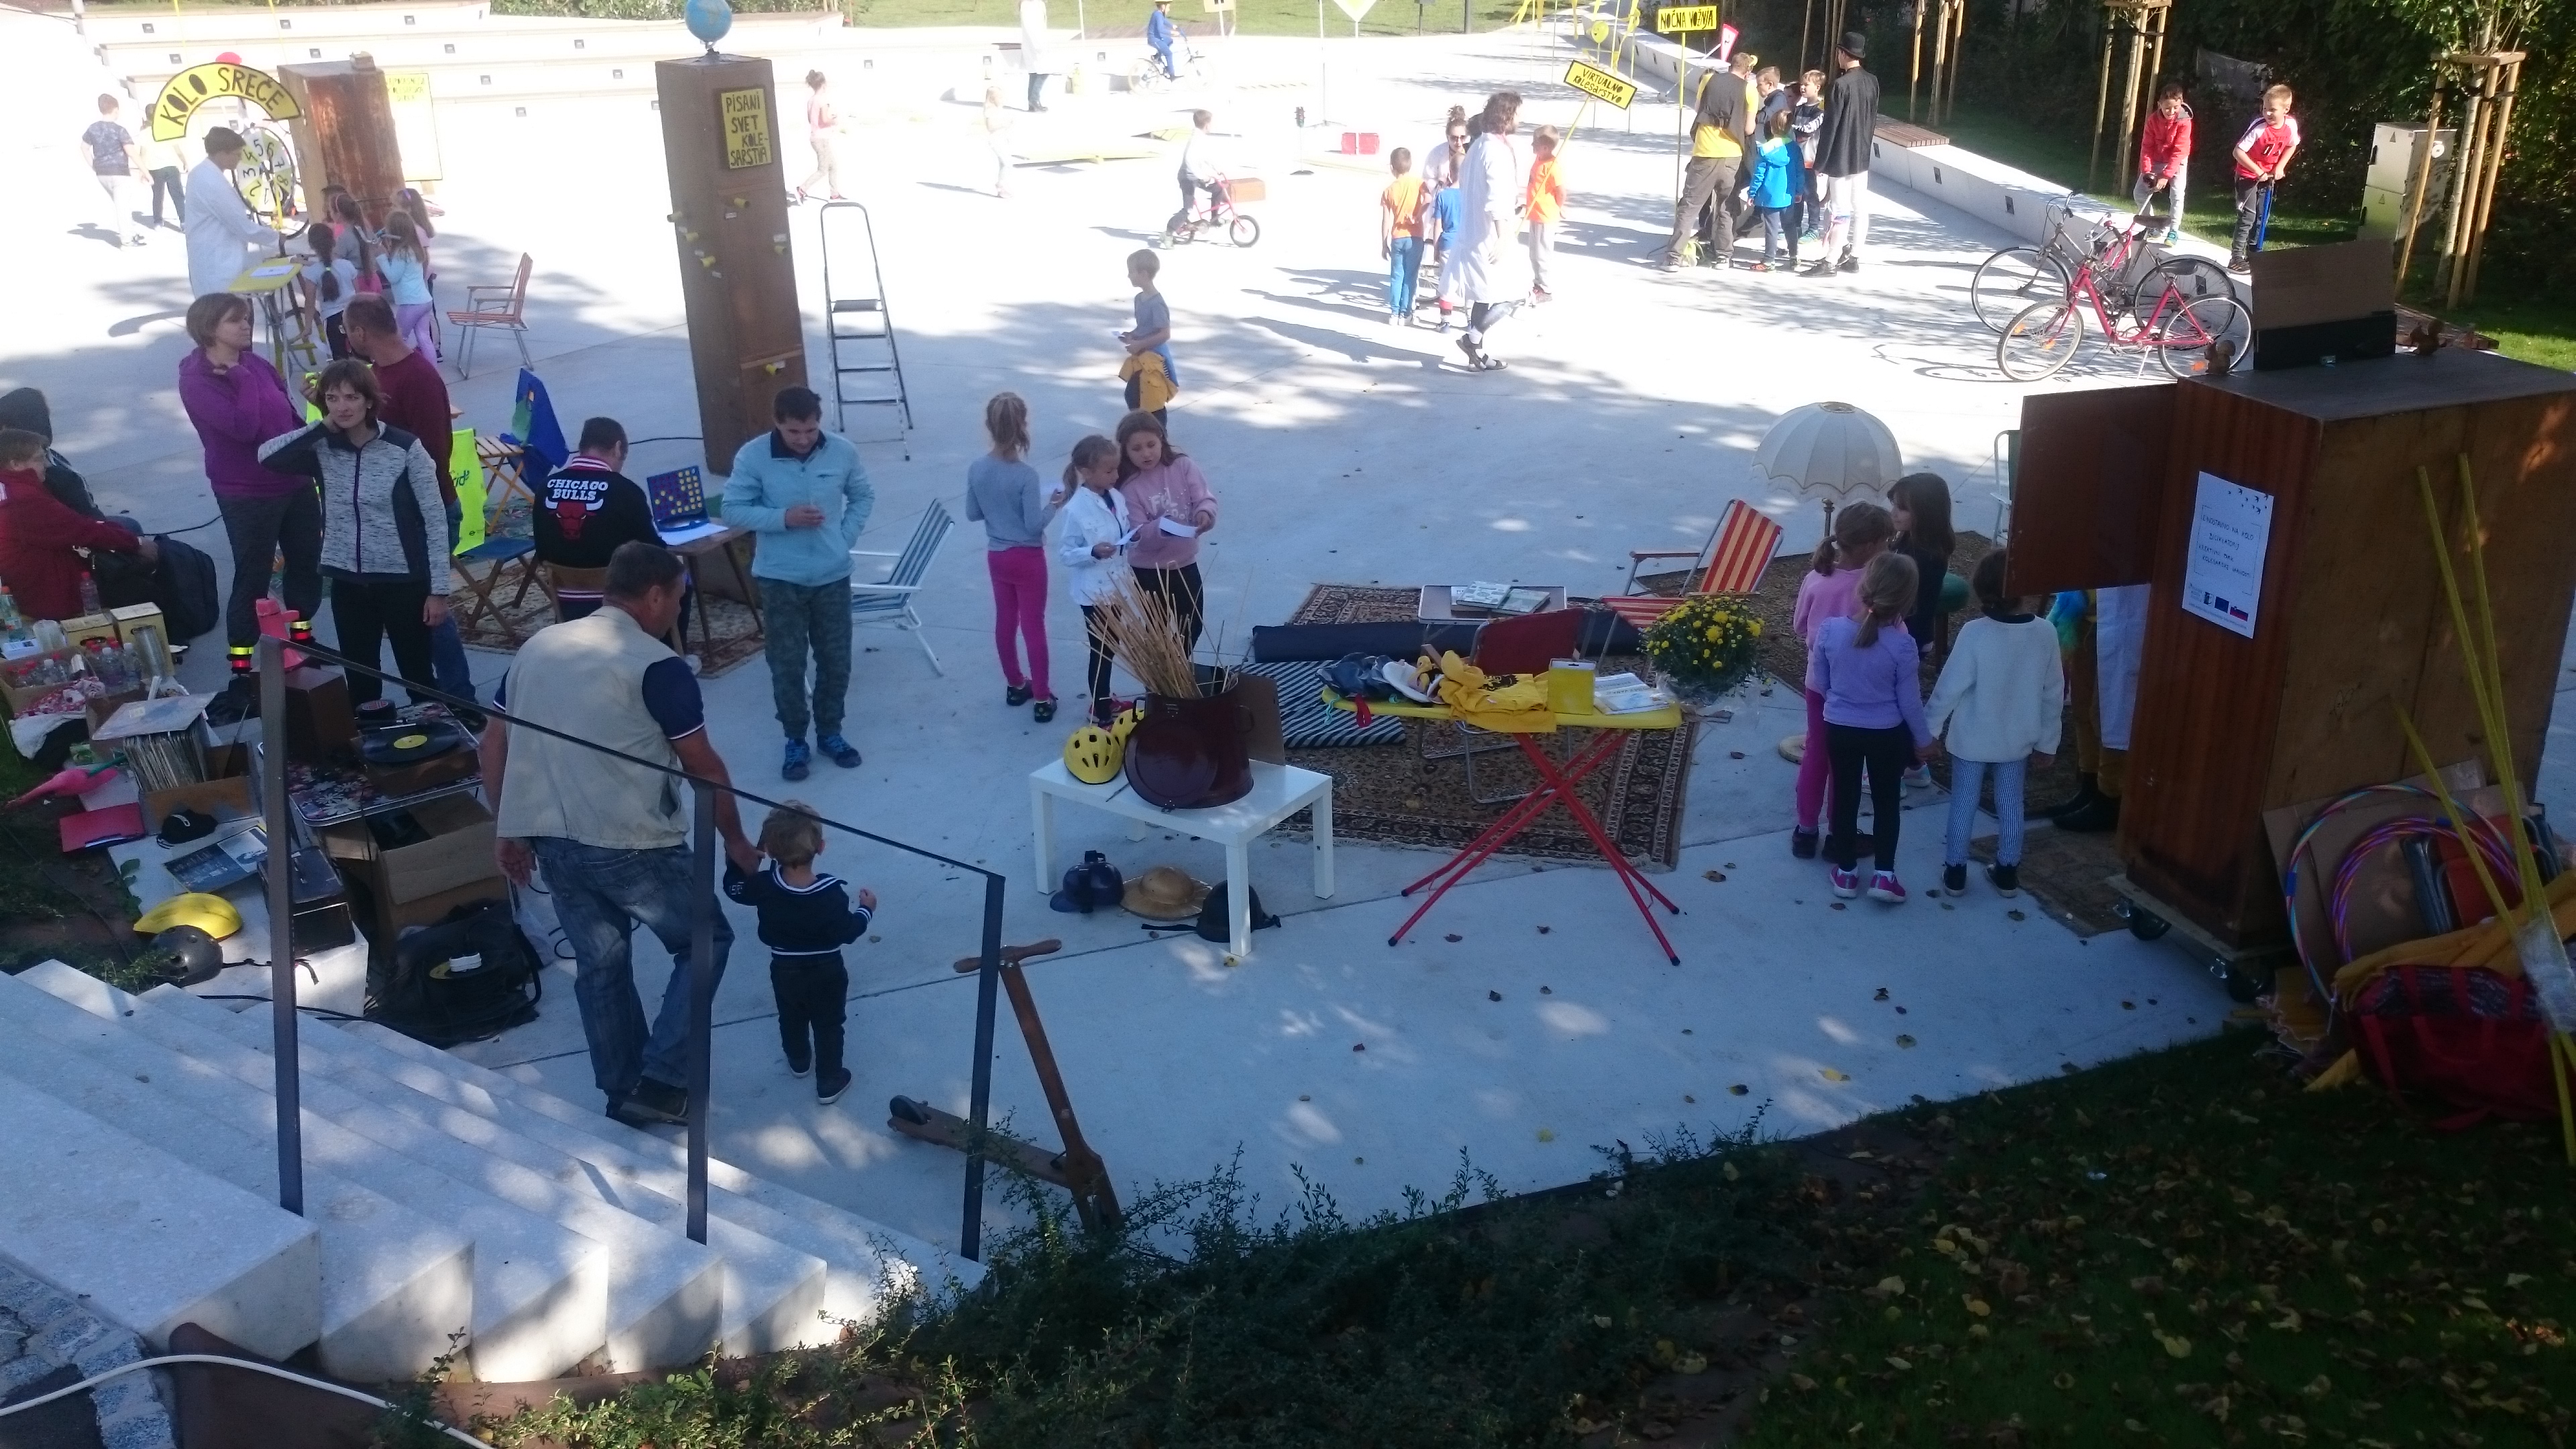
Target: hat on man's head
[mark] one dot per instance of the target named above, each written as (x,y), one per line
(1855,45)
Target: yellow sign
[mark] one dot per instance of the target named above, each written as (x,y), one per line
(1600,84)
(415,124)
(199,84)
(746,128)
(406,85)
(1684,19)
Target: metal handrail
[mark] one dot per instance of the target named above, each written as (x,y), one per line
(290,1168)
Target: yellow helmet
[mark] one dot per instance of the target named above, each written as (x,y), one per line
(211,914)
(1125,724)
(1093,755)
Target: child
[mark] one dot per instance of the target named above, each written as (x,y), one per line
(2262,158)
(354,241)
(1152,333)
(1093,550)
(1806,121)
(1003,491)
(1873,688)
(996,122)
(2001,698)
(1778,178)
(1830,590)
(1399,235)
(805,920)
(1546,205)
(2164,157)
(404,265)
(1919,505)
(1448,218)
(334,280)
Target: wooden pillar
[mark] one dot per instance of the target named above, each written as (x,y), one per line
(2102,96)
(345,137)
(2498,137)
(1914,75)
(2464,167)
(2423,175)
(729,220)
(2129,94)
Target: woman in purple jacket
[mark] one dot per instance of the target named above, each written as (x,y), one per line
(237,402)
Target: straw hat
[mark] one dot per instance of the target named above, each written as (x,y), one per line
(1165,893)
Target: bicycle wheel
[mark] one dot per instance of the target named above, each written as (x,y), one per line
(1243,231)
(2206,337)
(2039,340)
(2011,280)
(2191,277)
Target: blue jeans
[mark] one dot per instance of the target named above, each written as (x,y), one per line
(1966,776)
(1403,267)
(447,663)
(600,897)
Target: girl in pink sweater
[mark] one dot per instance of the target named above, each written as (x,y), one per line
(1169,502)
(1830,590)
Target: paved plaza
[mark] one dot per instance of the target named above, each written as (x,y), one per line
(1344,451)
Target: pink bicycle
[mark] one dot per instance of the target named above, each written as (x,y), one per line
(2191,319)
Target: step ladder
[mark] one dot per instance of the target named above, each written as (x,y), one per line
(867,365)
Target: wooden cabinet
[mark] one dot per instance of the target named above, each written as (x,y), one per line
(2350,621)
(724,150)
(345,136)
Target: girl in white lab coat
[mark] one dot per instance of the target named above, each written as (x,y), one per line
(1092,546)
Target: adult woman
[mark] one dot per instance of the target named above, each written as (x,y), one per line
(1493,270)
(1441,166)
(823,131)
(237,402)
(1169,503)
(384,527)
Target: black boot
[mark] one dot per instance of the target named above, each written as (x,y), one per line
(2087,790)
(2100,815)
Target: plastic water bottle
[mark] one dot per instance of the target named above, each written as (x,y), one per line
(88,594)
(10,621)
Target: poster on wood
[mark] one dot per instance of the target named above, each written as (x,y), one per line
(2231,527)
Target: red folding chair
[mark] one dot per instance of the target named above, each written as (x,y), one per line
(1526,645)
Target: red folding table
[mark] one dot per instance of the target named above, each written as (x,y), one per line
(1556,785)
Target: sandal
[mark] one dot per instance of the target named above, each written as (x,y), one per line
(1045,710)
(1017,695)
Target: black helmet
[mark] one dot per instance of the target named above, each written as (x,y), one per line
(1089,886)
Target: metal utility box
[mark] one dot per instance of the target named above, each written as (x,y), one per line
(2391,177)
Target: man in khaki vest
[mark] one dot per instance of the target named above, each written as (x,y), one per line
(612,835)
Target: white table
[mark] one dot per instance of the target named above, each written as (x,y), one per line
(1278,791)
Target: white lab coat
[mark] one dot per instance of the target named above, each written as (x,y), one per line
(1034,55)
(1092,518)
(2119,642)
(1495,267)
(224,238)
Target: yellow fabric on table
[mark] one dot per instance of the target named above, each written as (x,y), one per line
(1519,707)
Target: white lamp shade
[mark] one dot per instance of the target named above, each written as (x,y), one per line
(1830,450)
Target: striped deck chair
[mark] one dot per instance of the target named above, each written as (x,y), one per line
(1738,553)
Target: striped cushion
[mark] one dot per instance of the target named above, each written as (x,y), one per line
(1306,722)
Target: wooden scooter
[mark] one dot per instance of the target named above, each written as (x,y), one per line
(1077,1169)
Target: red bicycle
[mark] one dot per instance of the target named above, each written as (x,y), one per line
(2195,326)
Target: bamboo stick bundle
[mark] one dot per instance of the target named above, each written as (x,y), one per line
(1148,638)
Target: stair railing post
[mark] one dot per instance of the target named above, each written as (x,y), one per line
(280,865)
(702,998)
(988,982)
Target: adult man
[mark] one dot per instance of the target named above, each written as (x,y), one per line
(416,402)
(1034,57)
(1159,34)
(224,238)
(113,161)
(609,833)
(1843,156)
(806,494)
(587,509)
(1720,135)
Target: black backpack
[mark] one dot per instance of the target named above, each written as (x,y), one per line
(431,1003)
(182,584)
(1213,925)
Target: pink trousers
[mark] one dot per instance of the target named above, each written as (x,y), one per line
(416,321)
(1815,771)
(1019,614)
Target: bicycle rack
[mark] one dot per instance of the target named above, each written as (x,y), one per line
(860,328)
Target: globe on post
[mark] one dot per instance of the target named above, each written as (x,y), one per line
(709,20)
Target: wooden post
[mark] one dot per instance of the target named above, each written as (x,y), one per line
(729,220)
(2496,142)
(2423,175)
(1914,77)
(2156,62)
(2101,99)
(2129,96)
(2446,275)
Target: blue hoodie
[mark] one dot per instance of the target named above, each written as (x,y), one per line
(768,480)
(1775,174)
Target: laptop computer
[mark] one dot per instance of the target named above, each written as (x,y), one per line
(679,502)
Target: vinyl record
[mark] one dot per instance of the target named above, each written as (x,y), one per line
(411,743)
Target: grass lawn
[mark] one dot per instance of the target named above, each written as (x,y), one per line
(2177,1249)
(52,907)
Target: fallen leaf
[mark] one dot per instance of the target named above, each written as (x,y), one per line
(1547,1134)
(1600,1320)
(2516,1280)
(1305,1097)
(1831,1075)
(1890,1286)
(1802,1383)
(2064,1380)
(1546,991)
(2175,1344)
(1692,1363)
(1838,905)
(1687,1097)
(1453,936)
(2318,1387)
(1493,996)
(2128,1006)
(1900,1011)
(1879,995)
(1898,1364)
(1738,1090)
(1977,1330)
(1904,1040)
(1735,754)
(1977,1306)
(1359,1046)
(1728,1169)
(1543,930)
(2133,1426)
(2016,916)
(1717,875)
(2470,1300)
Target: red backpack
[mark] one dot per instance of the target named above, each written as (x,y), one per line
(2461,1036)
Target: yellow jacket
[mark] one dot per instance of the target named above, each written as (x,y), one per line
(1154,385)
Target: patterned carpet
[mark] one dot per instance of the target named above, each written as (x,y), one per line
(1395,796)
(737,627)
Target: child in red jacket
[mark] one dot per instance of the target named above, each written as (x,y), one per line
(2164,157)
(39,535)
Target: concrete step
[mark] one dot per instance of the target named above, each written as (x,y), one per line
(144,1239)
(870,1262)
(540,1290)
(772,1295)
(394,1283)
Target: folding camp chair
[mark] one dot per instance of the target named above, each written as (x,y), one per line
(485,567)
(1738,552)
(887,604)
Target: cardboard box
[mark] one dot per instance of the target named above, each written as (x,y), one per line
(228,793)
(458,851)
(18,697)
(138,616)
(385,920)
(108,704)
(77,632)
